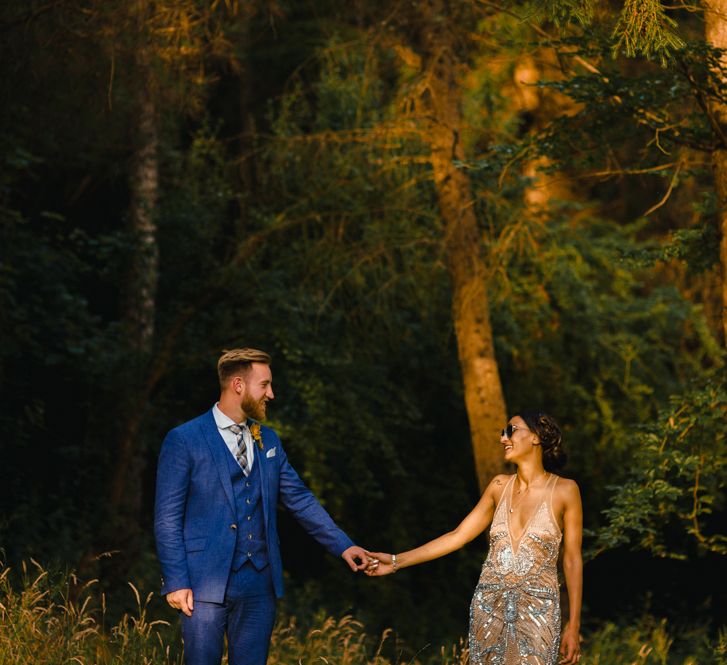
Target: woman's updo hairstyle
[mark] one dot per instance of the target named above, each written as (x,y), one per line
(551,439)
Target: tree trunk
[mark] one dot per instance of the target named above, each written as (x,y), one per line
(715,17)
(140,297)
(484,398)
(141,304)
(540,106)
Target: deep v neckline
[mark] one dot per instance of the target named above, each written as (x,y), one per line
(536,510)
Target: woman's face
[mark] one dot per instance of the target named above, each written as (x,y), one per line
(520,440)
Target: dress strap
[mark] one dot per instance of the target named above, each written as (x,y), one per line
(550,501)
(553,480)
(504,493)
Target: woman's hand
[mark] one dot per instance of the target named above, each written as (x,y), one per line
(381,564)
(570,647)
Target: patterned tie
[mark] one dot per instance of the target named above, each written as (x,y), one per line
(242,432)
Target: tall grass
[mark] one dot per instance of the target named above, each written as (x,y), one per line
(648,642)
(343,642)
(48,621)
(58,620)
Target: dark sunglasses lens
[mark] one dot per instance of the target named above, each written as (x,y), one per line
(507,432)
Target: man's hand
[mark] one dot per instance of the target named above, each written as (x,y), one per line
(355,552)
(181,599)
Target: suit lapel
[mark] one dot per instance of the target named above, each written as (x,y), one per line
(261,462)
(219,451)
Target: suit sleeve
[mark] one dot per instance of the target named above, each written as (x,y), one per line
(300,501)
(173,474)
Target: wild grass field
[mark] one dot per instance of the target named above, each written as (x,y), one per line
(48,619)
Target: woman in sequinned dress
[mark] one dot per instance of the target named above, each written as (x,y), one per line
(515,611)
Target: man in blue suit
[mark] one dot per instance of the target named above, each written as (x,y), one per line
(219,479)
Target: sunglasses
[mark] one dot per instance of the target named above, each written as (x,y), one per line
(507,432)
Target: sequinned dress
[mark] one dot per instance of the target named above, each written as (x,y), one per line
(515,611)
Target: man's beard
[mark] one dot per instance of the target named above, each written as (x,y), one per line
(253,408)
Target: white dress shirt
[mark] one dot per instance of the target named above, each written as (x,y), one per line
(230,438)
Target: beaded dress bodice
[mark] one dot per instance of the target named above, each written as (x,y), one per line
(515,611)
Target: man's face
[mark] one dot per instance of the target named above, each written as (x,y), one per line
(257,390)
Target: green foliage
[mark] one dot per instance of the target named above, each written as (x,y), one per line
(571,293)
(645,28)
(675,484)
(563,12)
(650,641)
(52,340)
(659,109)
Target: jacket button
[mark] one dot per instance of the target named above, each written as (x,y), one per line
(249,554)
(249,536)
(233,526)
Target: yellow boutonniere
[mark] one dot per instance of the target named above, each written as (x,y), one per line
(256,434)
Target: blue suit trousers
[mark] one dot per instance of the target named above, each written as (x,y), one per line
(246,615)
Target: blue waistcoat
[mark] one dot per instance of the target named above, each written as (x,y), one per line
(250,545)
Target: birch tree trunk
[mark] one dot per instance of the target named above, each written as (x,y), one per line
(144,273)
(715,18)
(141,288)
(484,398)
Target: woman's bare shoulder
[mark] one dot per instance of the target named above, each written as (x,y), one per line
(500,479)
(497,485)
(567,488)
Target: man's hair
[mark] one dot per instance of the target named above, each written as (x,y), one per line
(238,362)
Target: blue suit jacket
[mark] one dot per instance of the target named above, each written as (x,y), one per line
(195,509)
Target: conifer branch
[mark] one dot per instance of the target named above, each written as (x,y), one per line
(669,190)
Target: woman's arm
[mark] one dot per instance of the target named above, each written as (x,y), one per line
(573,570)
(470,527)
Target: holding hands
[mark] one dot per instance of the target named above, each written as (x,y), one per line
(372,563)
(380,564)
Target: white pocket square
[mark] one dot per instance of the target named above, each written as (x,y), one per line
(270,453)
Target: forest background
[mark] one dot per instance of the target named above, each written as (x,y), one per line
(432,214)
